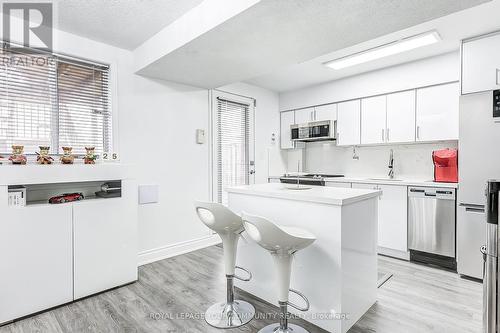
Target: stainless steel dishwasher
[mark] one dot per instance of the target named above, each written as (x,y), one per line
(431,226)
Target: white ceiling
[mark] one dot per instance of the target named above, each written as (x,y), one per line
(275,34)
(452,28)
(122,23)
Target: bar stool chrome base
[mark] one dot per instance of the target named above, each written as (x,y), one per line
(230,315)
(275,328)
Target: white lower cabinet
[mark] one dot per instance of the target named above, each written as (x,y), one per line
(339,184)
(105,249)
(392,218)
(36,259)
(54,254)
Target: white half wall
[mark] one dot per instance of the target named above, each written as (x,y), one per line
(426,72)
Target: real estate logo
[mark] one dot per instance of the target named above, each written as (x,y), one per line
(29,24)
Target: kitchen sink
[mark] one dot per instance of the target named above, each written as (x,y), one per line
(386,179)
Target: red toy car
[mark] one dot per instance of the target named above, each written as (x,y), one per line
(66,197)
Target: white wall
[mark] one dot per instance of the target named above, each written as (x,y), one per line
(158,135)
(269,158)
(439,69)
(413,161)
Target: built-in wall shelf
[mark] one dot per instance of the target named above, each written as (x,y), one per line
(39,194)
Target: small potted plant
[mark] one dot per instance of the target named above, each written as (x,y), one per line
(90,156)
(17,156)
(43,156)
(67,157)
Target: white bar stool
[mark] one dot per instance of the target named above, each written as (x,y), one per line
(232,313)
(282,242)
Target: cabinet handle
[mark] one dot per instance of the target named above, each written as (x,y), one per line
(387,135)
(383,136)
(418,132)
(498,77)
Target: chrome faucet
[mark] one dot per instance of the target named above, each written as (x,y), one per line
(391,164)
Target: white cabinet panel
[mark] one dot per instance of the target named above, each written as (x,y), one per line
(401,117)
(348,123)
(304,115)
(325,112)
(392,216)
(287,119)
(339,184)
(373,112)
(481,64)
(437,113)
(35,258)
(471,231)
(105,244)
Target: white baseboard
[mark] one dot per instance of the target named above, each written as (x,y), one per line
(164,252)
(405,255)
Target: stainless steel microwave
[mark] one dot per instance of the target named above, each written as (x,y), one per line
(314,131)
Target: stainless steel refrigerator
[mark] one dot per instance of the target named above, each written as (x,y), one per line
(479,161)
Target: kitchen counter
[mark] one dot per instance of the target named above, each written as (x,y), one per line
(397,181)
(318,194)
(371,180)
(338,272)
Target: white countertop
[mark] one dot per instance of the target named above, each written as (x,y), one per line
(59,173)
(318,194)
(403,181)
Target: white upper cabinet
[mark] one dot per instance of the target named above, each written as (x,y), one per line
(348,123)
(401,117)
(287,119)
(373,111)
(481,64)
(304,115)
(325,112)
(437,113)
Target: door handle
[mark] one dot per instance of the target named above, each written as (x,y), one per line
(383,136)
(387,135)
(474,210)
(498,77)
(418,132)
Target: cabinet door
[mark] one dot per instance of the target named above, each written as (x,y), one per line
(437,113)
(373,112)
(105,243)
(481,64)
(471,235)
(392,216)
(348,123)
(304,115)
(339,184)
(287,119)
(36,259)
(325,112)
(401,117)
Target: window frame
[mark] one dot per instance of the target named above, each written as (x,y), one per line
(111,92)
(214,172)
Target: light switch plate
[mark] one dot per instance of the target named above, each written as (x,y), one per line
(200,136)
(148,194)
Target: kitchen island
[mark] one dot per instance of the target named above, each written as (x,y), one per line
(338,272)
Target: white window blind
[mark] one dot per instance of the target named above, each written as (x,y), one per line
(233,133)
(48,100)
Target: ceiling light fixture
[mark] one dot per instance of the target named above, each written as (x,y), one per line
(385,50)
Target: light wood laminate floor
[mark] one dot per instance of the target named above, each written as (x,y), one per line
(417,299)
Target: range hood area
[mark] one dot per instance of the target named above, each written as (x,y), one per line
(324,130)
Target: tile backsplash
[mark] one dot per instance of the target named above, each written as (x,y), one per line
(410,160)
